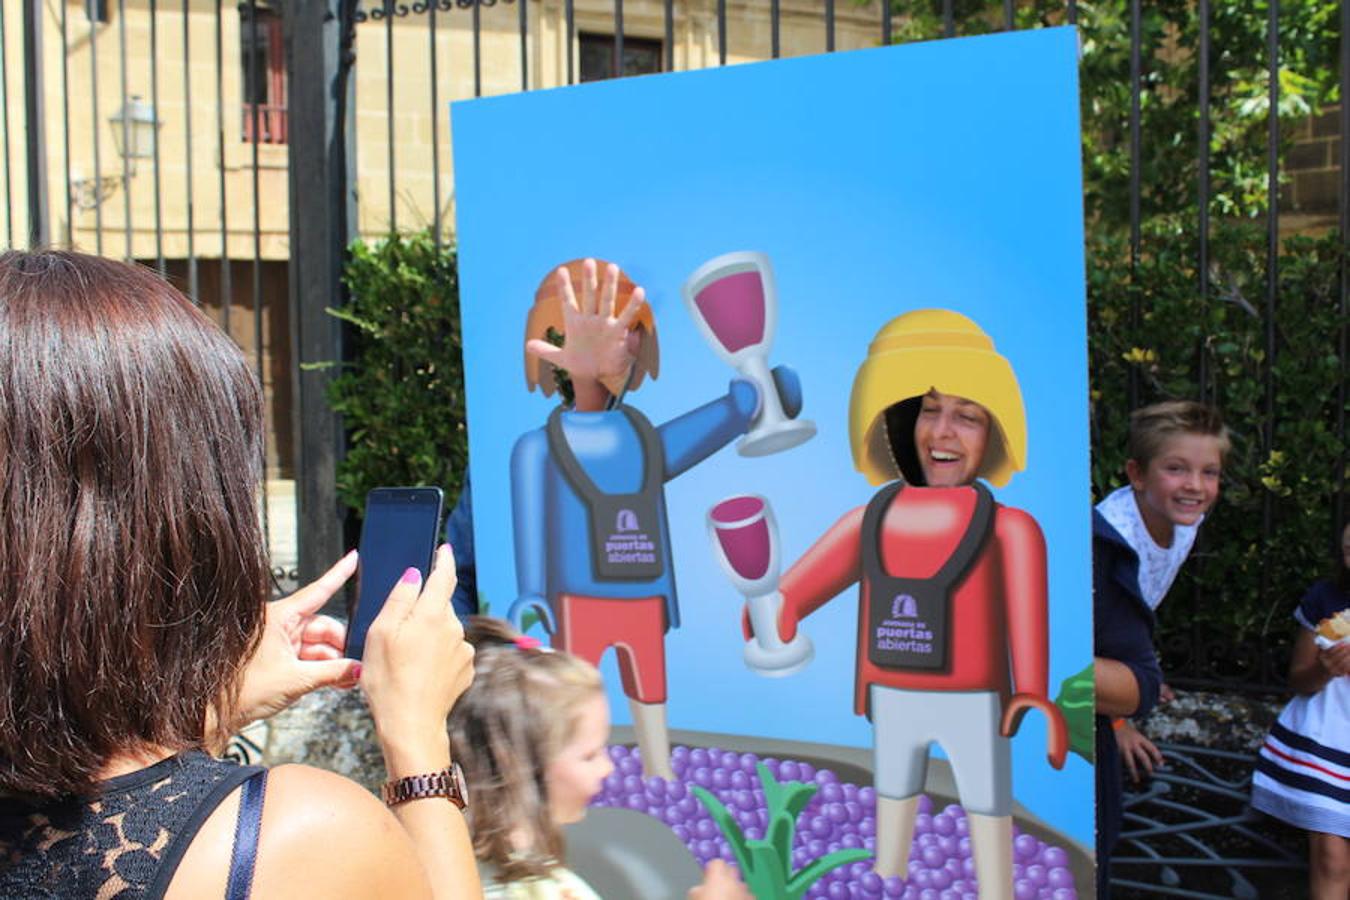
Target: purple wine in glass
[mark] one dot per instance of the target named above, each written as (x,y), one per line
(745,542)
(734,301)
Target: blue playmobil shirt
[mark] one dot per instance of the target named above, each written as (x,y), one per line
(552,521)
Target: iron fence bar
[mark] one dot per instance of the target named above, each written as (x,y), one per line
(1344,339)
(126,143)
(670,35)
(618,37)
(478,49)
(154,140)
(65,123)
(1202,252)
(389,104)
(948,19)
(4,112)
(570,14)
(255,110)
(35,132)
(194,287)
(721,32)
(226,285)
(1272,283)
(435,123)
(829,26)
(775,37)
(885,22)
(1202,191)
(322,201)
(93,106)
(1073,12)
(522,12)
(1008,24)
(1136,313)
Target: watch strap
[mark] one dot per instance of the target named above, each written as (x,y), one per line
(447,783)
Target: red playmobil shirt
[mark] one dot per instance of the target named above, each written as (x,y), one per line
(997,630)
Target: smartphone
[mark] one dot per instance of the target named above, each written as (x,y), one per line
(401,530)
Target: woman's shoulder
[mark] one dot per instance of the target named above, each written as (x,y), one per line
(322,835)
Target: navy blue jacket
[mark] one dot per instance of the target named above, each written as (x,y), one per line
(1123,625)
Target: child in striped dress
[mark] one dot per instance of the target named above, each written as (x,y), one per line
(1303,771)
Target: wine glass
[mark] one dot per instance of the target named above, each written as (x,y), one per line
(734,301)
(745,542)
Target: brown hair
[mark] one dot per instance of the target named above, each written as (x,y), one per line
(514,719)
(546,314)
(1153,425)
(132,570)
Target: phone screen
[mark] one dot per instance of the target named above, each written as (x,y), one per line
(399,532)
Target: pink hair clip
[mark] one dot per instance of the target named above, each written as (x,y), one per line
(525,642)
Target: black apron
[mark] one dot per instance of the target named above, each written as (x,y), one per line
(908,620)
(625,534)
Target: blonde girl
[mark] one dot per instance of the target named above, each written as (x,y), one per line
(531,735)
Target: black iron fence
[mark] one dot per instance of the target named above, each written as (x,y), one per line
(240,148)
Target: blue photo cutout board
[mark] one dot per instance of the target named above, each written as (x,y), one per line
(910,201)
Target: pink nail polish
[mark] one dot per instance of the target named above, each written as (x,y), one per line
(411,576)
(356,672)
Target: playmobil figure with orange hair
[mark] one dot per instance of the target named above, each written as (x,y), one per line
(953,642)
(587,490)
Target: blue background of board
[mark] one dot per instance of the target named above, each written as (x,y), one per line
(944,174)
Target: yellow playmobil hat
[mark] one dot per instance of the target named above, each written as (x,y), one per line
(943,350)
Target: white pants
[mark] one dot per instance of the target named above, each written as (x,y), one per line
(964,723)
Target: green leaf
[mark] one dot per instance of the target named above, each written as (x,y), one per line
(730,830)
(813,871)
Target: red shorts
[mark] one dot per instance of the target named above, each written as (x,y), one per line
(634,627)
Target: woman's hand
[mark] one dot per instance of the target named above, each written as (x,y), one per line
(300,651)
(720,883)
(416,666)
(1139,754)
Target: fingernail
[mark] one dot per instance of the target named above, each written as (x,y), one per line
(411,576)
(356,671)
(351,554)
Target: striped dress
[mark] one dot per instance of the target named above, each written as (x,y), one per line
(1303,771)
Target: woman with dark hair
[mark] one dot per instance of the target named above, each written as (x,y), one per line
(137,633)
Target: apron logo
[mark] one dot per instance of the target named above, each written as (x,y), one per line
(904,607)
(626,520)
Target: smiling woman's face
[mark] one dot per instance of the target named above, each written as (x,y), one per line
(950,436)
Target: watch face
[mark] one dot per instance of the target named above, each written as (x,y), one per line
(460,785)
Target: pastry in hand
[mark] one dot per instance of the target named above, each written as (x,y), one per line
(1335,627)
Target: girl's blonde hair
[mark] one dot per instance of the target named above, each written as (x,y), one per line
(512,722)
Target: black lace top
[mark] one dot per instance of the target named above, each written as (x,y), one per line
(123,845)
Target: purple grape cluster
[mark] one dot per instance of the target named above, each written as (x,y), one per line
(839,816)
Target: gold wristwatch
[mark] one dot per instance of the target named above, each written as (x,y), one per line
(448,783)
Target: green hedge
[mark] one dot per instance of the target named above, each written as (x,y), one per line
(401,395)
